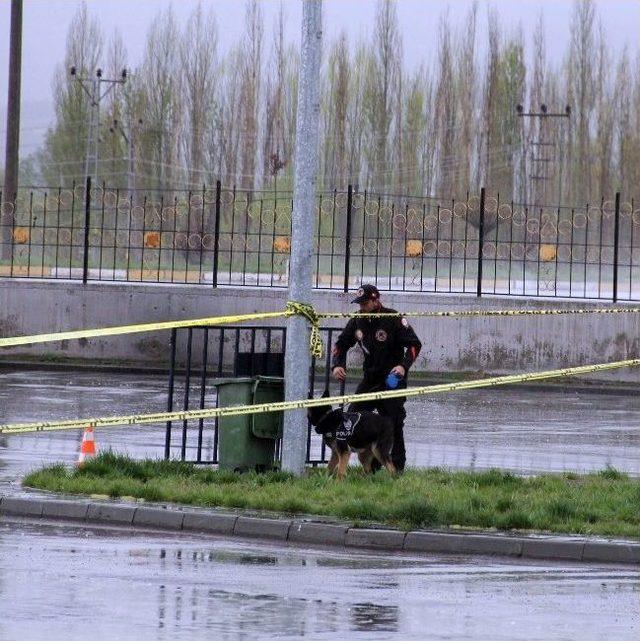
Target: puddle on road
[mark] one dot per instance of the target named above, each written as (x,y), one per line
(60,582)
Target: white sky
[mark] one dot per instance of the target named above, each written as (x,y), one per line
(45,24)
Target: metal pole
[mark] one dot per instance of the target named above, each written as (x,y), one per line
(131,179)
(216,235)
(12,159)
(87,223)
(97,132)
(616,237)
(297,355)
(172,373)
(93,130)
(480,242)
(87,156)
(347,250)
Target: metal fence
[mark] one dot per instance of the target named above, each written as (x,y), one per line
(215,352)
(218,236)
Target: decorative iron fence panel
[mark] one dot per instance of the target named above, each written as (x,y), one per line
(218,236)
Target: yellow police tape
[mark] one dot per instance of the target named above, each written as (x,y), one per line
(293,308)
(112,421)
(485,312)
(133,329)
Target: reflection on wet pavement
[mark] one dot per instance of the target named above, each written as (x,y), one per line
(63,582)
(521,430)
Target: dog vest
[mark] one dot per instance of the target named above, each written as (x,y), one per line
(349,422)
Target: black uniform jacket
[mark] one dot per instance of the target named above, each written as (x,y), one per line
(385,342)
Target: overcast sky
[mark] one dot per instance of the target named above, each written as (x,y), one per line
(45,24)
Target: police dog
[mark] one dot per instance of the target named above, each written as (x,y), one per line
(367,433)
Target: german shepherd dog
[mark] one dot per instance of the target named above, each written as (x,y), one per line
(367,433)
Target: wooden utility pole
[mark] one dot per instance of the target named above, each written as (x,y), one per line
(12,159)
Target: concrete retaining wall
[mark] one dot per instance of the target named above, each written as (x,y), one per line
(488,344)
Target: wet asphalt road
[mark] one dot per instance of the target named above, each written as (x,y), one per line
(67,582)
(100,583)
(521,430)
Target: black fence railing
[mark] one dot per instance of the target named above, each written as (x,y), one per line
(230,351)
(218,236)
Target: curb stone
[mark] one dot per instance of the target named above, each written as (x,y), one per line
(379,539)
(262,528)
(463,543)
(322,533)
(20,506)
(161,518)
(318,533)
(611,552)
(65,510)
(111,513)
(546,548)
(209,522)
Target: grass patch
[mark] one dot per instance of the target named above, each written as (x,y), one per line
(604,503)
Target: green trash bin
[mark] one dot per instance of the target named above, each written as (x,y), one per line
(248,442)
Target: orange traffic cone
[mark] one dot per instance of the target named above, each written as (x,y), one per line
(88,446)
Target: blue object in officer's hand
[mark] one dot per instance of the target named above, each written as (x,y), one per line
(392,380)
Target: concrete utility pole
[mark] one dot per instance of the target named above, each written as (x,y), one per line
(297,356)
(12,158)
(93,88)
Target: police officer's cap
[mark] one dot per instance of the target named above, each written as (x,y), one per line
(365,293)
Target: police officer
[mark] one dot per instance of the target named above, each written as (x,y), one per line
(389,346)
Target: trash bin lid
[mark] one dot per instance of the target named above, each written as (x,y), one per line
(245,380)
(269,380)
